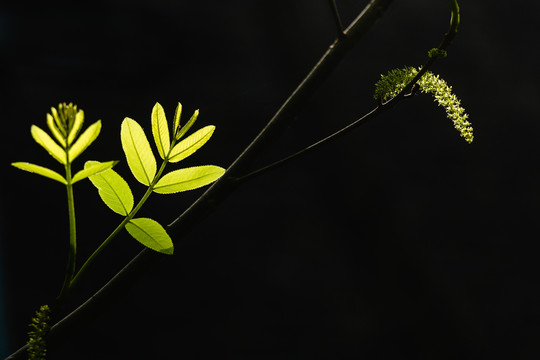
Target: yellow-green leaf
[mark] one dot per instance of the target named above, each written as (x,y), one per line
(40,170)
(92,169)
(54,130)
(139,155)
(87,138)
(160,130)
(183,130)
(151,234)
(191,144)
(177,115)
(43,139)
(77,125)
(188,179)
(112,188)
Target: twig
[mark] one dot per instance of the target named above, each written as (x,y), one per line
(337,18)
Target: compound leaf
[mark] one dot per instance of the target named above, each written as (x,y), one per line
(191,144)
(151,234)
(160,130)
(40,170)
(92,169)
(188,179)
(112,188)
(87,138)
(43,139)
(139,155)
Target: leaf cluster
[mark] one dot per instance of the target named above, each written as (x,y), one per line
(65,124)
(115,191)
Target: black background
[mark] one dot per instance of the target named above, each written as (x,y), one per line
(398,241)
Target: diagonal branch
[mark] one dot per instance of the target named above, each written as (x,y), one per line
(124,279)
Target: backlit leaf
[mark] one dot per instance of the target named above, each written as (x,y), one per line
(40,170)
(188,179)
(151,234)
(112,188)
(177,115)
(160,130)
(87,138)
(54,130)
(43,139)
(183,130)
(139,155)
(77,125)
(191,144)
(92,169)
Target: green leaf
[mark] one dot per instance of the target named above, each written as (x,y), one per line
(191,144)
(58,121)
(87,138)
(92,169)
(54,130)
(77,125)
(43,139)
(139,155)
(188,179)
(151,234)
(186,127)
(160,130)
(113,190)
(177,115)
(40,170)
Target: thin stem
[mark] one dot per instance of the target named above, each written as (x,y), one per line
(315,145)
(120,227)
(337,18)
(72,253)
(446,41)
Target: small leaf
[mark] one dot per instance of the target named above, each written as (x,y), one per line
(188,179)
(191,144)
(40,170)
(160,130)
(177,115)
(54,130)
(58,121)
(92,169)
(112,188)
(151,234)
(188,125)
(139,155)
(77,125)
(87,138)
(43,139)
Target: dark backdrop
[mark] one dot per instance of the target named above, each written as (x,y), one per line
(399,241)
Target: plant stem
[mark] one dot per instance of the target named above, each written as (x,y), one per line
(72,253)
